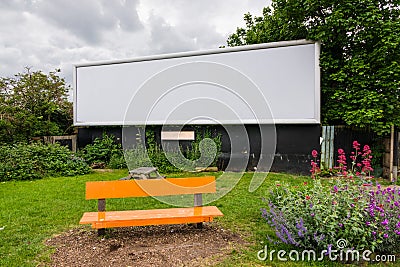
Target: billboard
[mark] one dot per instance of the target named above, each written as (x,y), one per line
(274,83)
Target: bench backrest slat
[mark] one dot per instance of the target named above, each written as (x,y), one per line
(151,187)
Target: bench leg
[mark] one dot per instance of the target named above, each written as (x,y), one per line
(199,225)
(101,207)
(101,231)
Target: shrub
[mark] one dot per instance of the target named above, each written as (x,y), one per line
(137,157)
(104,152)
(37,160)
(205,149)
(382,218)
(202,152)
(160,159)
(317,216)
(117,161)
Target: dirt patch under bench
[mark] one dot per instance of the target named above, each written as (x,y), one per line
(170,245)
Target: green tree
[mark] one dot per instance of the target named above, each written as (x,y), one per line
(33,104)
(360,54)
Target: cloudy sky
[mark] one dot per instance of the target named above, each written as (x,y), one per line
(50,34)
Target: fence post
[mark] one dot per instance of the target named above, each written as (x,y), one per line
(327,146)
(395,154)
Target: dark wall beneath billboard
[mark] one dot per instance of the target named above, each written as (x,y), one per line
(86,135)
(294,144)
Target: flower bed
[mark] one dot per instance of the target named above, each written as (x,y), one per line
(316,215)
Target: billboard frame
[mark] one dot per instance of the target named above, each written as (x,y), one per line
(317,94)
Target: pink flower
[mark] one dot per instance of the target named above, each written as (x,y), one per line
(356,145)
(314,153)
(340,151)
(314,169)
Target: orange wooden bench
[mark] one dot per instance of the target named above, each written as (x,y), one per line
(103,190)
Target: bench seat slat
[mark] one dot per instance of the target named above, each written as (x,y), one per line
(150,217)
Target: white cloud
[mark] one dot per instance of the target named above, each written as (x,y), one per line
(89,19)
(49,34)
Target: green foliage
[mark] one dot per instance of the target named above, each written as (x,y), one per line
(205,149)
(117,161)
(161,160)
(137,157)
(35,161)
(316,216)
(105,151)
(202,152)
(319,216)
(155,155)
(33,104)
(360,54)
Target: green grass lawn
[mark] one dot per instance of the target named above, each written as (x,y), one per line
(33,211)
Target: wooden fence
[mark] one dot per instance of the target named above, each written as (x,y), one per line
(335,137)
(68,140)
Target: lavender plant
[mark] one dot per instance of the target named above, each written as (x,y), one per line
(383,218)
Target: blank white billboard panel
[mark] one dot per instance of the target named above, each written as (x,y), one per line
(257,84)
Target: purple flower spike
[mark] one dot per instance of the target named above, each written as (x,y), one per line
(329,249)
(385,222)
